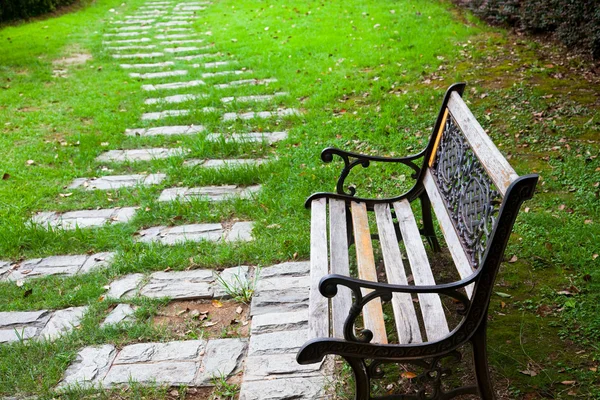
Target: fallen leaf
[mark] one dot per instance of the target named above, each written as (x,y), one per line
(5,176)
(30,162)
(504,295)
(217,304)
(209,324)
(564,292)
(408,375)
(65,194)
(28,293)
(513,259)
(568,382)
(528,372)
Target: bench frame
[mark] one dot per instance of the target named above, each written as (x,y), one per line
(513,190)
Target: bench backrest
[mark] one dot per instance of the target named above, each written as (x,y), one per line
(474,191)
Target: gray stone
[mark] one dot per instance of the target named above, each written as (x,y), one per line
(166,130)
(172,23)
(97,261)
(308,388)
(172,373)
(195,284)
(10,319)
(273,302)
(277,342)
(182,41)
(63,321)
(225,73)
(174,36)
(90,366)
(164,114)
(131,28)
(117,181)
(131,47)
(180,49)
(247,99)
(19,333)
(245,82)
(140,154)
(227,163)
(187,350)
(223,357)
(282,112)
(125,287)
(280,321)
(125,34)
(59,265)
(235,278)
(276,366)
(178,98)
(297,268)
(85,218)
(140,40)
(135,21)
(282,284)
(5,267)
(215,64)
(173,85)
(139,55)
(121,313)
(192,8)
(252,137)
(154,75)
(196,56)
(209,193)
(182,233)
(241,231)
(148,65)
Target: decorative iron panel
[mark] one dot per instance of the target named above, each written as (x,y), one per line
(470,195)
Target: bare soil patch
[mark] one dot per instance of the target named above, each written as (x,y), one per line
(73,59)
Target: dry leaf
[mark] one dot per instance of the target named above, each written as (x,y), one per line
(208,324)
(569,382)
(513,259)
(65,194)
(408,375)
(217,304)
(5,176)
(528,372)
(504,295)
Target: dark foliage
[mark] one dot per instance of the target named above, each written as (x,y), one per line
(21,9)
(574,22)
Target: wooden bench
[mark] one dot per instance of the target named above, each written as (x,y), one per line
(475,195)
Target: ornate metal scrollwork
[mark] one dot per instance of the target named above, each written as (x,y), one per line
(468,192)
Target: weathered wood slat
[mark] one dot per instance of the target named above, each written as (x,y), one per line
(372,312)
(405,316)
(434,318)
(461,260)
(338,239)
(492,160)
(318,306)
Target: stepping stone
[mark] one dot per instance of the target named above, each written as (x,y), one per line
(196,56)
(140,40)
(173,23)
(234,278)
(151,7)
(165,130)
(90,367)
(168,30)
(117,181)
(121,313)
(164,114)
(281,112)
(258,98)
(192,8)
(132,28)
(85,218)
(280,321)
(309,388)
(153,75)
(125,34)
(223,357)
(139,21)
(195,284)
(62,322)
(130,17)
(269,137)
(246,82)
(140,154)
(286,269)
(228,163)
(215,64)
(138,55)
(241,231)
(57,265)
(178,98)
(23,324)
(133,47)
(277,366)
(208,193)
(175,42)
(175,36)
(181,17)
(225,73)
(173,85)
(125,287)
(277,342)
(150,65)
(180,49)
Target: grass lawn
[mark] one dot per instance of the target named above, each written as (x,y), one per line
(369,77)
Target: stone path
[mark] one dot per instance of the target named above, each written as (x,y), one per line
(156,47)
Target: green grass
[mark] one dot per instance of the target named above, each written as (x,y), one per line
(369,77)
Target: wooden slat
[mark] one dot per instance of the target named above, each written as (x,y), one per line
(461,260)
(492,160)
(405,315)
(338,241)
(372,312)
(434,318)
(318,306)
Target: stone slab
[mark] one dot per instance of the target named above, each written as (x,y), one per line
(174,36)
(215,64)
(225,163)
(90,367)
(191,8)
(58,265)
(255,98)
(85,218)
(276,366)
(138,55)
(245,82)
(196,56)
(252,137)
(121,313)
(62,322)
(154,75)
(280,321)
(173,23)
(282,112)
(294,268)
(133,21)
(166,130)
(180,234)
(131,47)
(225,73)
(164,114)
(148,65)
(125,287)
(117,181)
(17,334)
(140,40)
(184,351)
(234,278)
(209,193)
(172,373)
(11,319)
(308,388)
(125,34)
(277,342)
(132,28)
(173,85)
(223,357)
(182,41)
(178,98)
(140,154)
(241,231)
(195,284)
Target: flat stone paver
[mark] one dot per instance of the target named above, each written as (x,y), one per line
(280,321)
(166,130)
(131,47)
(245,82)
(194,284)
(164,114)
(154,75)
(223,357)
(282,112)
(183,41)
(192,8)
(62,321)
(113,42)
(196,56)
(140,154)
(134,21)
(225,73)
(55,265)
(126,287)
(85,218)
(277,366)
(215,64)
(257,98)
(277,342)
(173,23)
(225,163)
(209,193)
(173,85)
(42,324)
(178,98)
(175,36)
(309,388)
(148,65)
(125,34)
(195,232)
(120,314)
(139,55)
(286,269)
(90,367)
(234,278)
(252,137)
(117,181)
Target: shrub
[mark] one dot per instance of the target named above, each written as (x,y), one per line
(21,9)
(574,22)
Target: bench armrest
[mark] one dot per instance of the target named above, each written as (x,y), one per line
(352,160)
